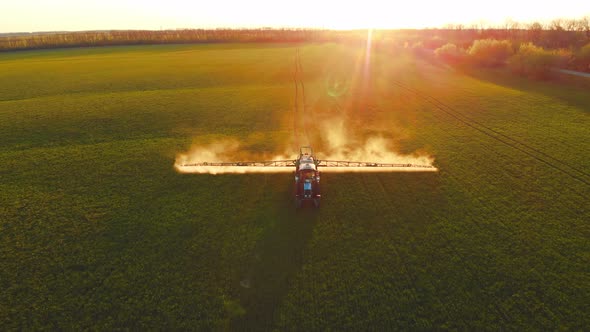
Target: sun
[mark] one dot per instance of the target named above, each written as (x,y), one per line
(373,15)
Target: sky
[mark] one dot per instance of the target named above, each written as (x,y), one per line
(73,15)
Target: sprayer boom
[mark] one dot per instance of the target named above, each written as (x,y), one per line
(271,163)
(346,163)
(291,163)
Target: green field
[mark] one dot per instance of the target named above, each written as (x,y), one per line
(98,231)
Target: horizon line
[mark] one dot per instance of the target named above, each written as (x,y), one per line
(479,24)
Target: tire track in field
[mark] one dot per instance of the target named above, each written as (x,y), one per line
(385,207)
(276,259)
(529,102)
(504,236)
(507,232)
(296,106)
(574,172)
(391,207)
(546,311)
(378,206)
(300,109)
(509,162)
(304,116)
(513,172)
(467,267)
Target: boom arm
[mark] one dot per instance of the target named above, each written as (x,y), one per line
(346,163)
(320,163)
(270,163)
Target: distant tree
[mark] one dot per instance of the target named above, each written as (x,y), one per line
(482,25)
(571,24)
(511,28)
(535,30)
(584,25)
(450,53)
(557,36)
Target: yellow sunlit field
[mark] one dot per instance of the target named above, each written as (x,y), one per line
(98,229)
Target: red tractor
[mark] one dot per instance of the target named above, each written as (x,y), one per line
(307,178)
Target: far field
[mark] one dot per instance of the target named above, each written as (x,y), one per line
(98,231)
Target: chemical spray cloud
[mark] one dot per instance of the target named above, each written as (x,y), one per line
(341,145)
(225,151)
(338,145)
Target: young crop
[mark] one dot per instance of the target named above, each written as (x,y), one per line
(98,231)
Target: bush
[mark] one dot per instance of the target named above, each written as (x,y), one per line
(433,42)
(534,61)
(417,46)
(418,49)
(449,53)
(582,58)
(490,52)
(563,57)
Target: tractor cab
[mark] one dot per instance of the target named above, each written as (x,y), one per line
(306,151)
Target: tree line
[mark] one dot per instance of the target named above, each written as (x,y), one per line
(143,37)
(559,43)
(534,49)
(558,33)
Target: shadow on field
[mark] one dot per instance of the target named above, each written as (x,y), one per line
(277,259)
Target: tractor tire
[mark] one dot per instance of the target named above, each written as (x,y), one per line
(316,203)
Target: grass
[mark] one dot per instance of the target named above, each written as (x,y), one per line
(99,232)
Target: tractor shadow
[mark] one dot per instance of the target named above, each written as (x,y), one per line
(276,260)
